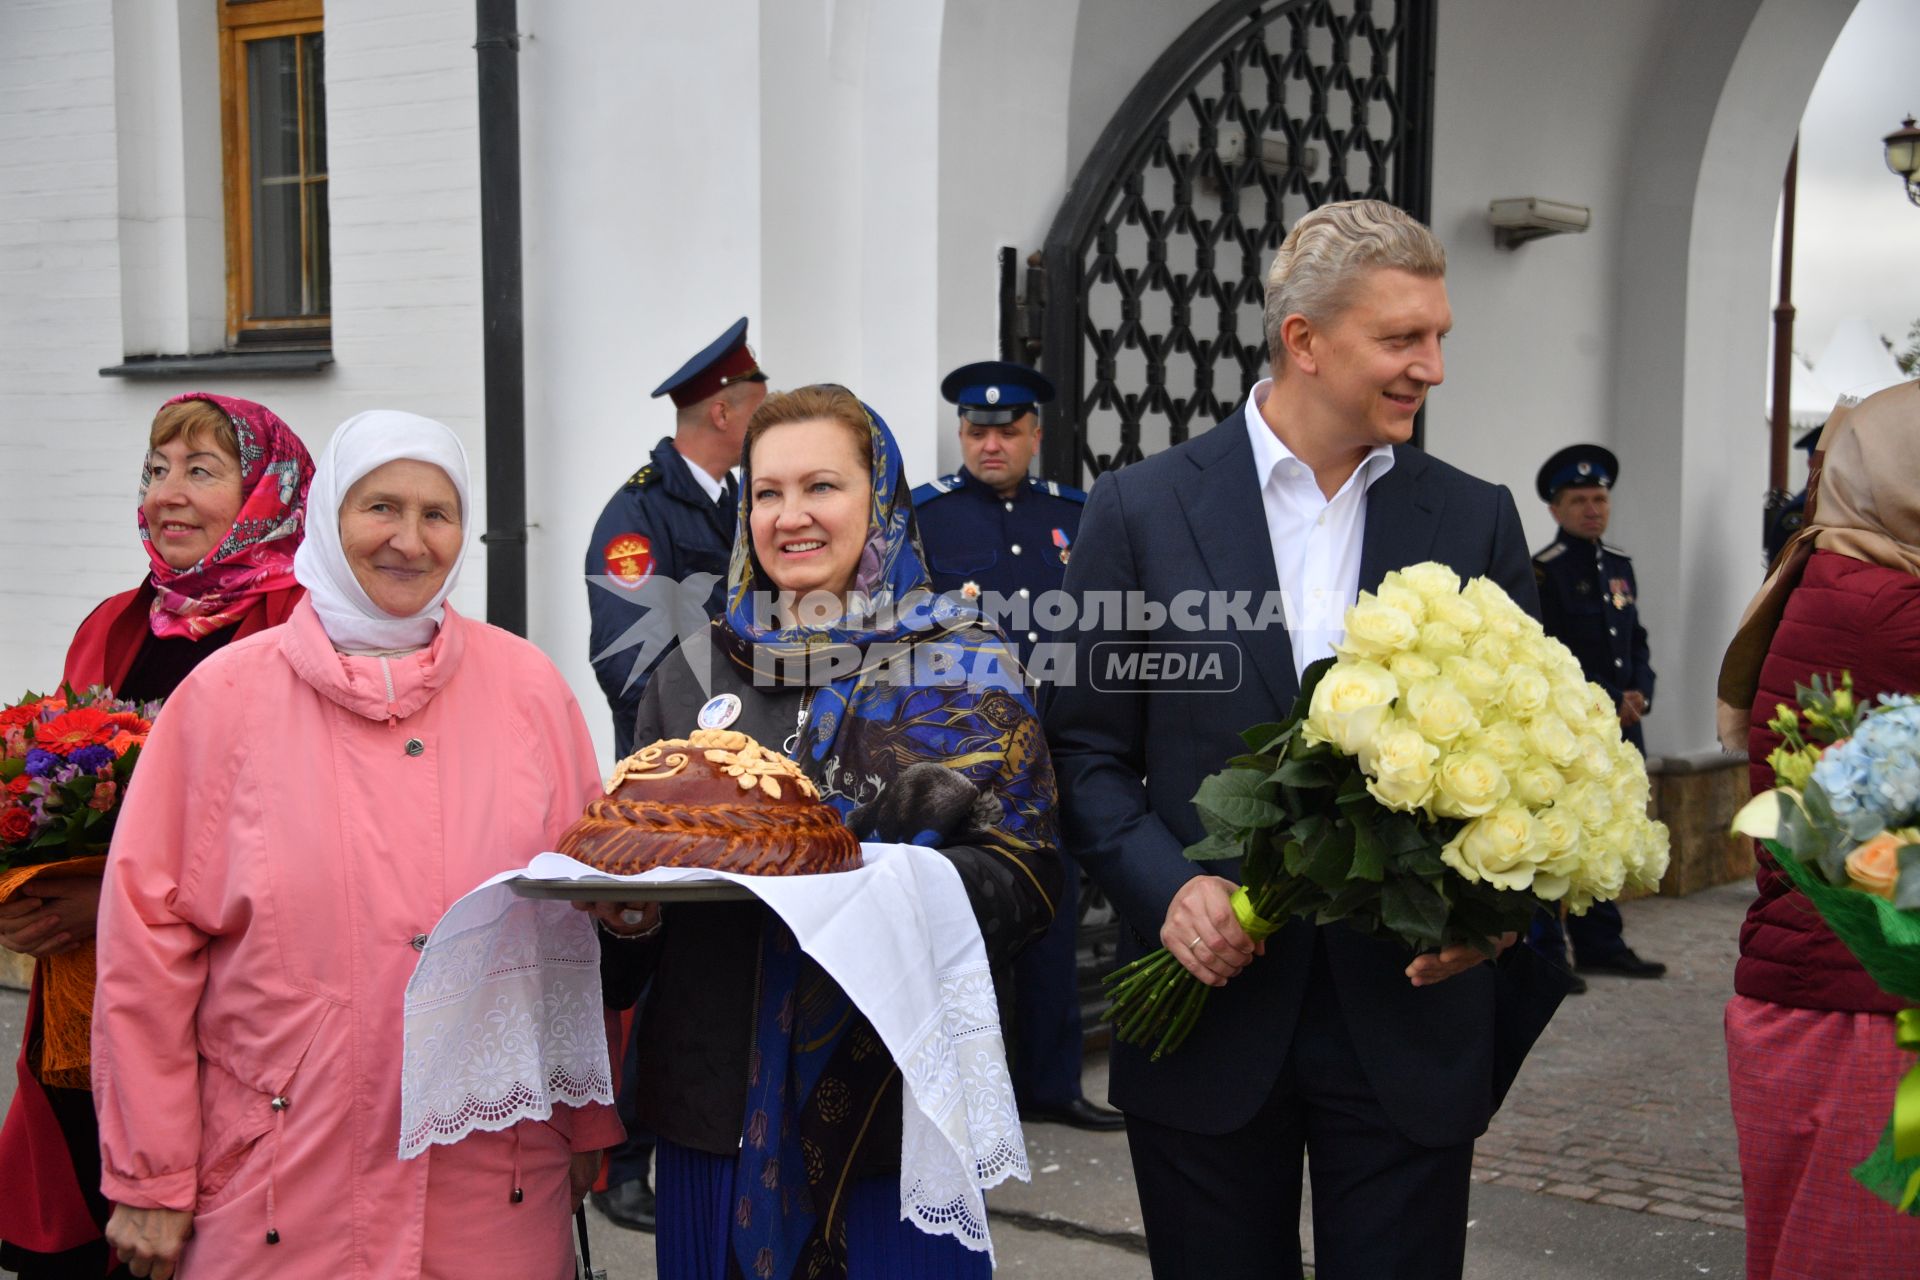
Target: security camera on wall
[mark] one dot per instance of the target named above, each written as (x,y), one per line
(1525,218)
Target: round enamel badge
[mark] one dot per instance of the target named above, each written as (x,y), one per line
(721,710)
(629,560)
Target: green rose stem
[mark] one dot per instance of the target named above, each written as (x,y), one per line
(1155,997)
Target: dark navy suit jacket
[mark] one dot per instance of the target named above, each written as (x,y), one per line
(1129,763)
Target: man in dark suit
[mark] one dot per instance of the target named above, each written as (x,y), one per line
(1382,1067)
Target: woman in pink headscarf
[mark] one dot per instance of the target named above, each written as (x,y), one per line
(223,496)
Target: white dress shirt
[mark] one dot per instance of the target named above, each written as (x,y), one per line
(715,488)
(1316,539)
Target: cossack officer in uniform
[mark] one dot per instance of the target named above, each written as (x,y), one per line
(671,521)
(1588,601)
(673,518)
(991,529)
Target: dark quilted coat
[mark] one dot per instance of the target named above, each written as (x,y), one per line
(1846,615)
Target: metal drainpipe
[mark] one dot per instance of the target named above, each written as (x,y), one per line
(498,48)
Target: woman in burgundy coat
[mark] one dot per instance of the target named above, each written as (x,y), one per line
(223,493)
(1810,1038)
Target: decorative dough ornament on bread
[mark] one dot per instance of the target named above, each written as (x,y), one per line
(715,799)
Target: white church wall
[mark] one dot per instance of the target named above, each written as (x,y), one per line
(1006,71)
(642,191)
(1531,101)
(1729,242)
(405,280)
(69,463)
(818,165)
(901,241)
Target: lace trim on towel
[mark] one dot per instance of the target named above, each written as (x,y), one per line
(960,1133)
(503,1021)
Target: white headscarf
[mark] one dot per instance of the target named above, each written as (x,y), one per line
(361,444)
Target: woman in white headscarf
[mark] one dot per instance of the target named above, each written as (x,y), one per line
(314,799)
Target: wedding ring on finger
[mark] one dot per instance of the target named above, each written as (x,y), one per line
(1195,944)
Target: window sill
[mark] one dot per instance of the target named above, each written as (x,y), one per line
(222,363)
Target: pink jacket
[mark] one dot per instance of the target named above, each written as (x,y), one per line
(299,821)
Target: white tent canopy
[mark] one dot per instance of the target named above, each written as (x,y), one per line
(1855,362)
(1811,399)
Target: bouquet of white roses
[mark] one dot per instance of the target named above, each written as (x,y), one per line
(1449,770)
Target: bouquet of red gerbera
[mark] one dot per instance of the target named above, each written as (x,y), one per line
(64,763)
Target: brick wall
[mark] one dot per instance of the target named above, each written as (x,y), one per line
(406,263)
(65,482)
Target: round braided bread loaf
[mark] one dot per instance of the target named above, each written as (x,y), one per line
(716,799)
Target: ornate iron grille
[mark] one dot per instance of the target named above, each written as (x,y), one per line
(1155,265)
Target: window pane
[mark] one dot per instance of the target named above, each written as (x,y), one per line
(321,302)
(316,115)
(319,294)
(273,125)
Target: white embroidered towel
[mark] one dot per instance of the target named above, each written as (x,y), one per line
(897,934)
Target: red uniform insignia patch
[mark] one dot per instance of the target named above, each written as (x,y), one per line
(629,560)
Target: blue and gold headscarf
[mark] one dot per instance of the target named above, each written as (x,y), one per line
(904,677)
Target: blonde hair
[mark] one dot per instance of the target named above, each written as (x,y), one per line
(1327,250)
(822,400)
(198,421)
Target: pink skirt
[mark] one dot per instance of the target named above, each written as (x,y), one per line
(1811,1092)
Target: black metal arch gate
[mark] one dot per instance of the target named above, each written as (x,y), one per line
(1155,265)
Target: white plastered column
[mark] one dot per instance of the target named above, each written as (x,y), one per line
(172,221)
(1717,116)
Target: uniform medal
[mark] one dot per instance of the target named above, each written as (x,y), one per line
(1062,541)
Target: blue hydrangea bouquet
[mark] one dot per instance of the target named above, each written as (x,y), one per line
(1844,825)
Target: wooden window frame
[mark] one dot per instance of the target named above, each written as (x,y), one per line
(241,23)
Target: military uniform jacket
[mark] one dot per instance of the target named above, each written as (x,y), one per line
(1010,547)
(1588,601)
(658,532)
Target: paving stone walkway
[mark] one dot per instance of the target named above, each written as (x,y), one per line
(1624,1100)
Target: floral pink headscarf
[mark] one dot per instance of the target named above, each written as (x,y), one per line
(256,555)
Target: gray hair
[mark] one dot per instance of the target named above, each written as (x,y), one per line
(1328,249)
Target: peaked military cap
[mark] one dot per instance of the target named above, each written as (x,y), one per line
(1576,466)
(723,362)
(993,392)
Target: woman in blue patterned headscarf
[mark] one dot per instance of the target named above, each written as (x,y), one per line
(777,1107)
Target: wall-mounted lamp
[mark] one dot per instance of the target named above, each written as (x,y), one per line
(1274,153)
(1903,156)
(1527,218)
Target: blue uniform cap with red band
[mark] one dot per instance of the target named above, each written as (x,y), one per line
(994,392)
(721,363)
(1576,466)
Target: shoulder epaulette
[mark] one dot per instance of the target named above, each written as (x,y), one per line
(1053,488)
(646,475)
(934,488)
(1610,549)
(1551,553)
